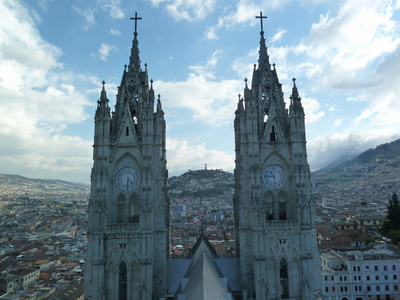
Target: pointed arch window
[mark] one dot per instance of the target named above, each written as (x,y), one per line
(135,282)
(121,209)
(282,211)
(284,278)
(269,207)
(273,135)
(134,210)
(282,206)
(123,282)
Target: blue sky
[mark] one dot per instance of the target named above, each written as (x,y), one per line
(54,54)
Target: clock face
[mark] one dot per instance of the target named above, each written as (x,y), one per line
(274,177)
(127,179)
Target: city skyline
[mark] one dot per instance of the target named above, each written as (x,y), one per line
(54,56)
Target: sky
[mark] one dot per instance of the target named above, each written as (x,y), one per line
(54,54)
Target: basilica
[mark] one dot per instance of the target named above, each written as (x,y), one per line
(128,228)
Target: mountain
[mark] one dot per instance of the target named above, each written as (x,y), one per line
(18,186)
(371,176)
(201,184)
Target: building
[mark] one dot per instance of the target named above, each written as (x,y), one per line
(128,237)
(24,278)
(276,236)
(360,275)
(367,223)
(128,206)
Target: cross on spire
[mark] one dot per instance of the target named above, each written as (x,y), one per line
(261,17)
(136,18)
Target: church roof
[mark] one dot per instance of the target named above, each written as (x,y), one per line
(203,279)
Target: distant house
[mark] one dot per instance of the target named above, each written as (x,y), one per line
(71,292)
(24,278)
(367,223)
(7,285)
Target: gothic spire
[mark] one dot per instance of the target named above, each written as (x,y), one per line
(134,59)
(263,59)
(295,98)
(102,104)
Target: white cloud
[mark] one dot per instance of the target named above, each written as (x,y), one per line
(104,50)
(189,10)
(323,150)
(312,110)
(113,7)
(87,14)
(115,32)
(278,35)
(242,65)
(38,100)
(210,100)
(350,42)
(43,3)
(244,11)
(337,122)
(182,156)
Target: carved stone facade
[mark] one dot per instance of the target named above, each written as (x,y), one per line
(128,236)
(274,211)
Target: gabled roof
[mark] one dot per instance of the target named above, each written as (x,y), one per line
(203,280)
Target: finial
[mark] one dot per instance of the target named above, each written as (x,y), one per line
(239,96)
(261,21)
(125,67)
(103,82)
(294,81)
(245,80)
(151,84)
(273,65)
(159,96)
(136,19)
(255,66)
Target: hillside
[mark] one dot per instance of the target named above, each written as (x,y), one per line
(201,184)
(371,176)
(19,186)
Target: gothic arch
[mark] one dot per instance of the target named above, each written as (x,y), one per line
(134,208)
(121,208)
(124,160)
(284,278)
(268,206)
(122,281)
(135,280)
(283,205)
(275,158)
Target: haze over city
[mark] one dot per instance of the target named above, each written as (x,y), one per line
(54,55)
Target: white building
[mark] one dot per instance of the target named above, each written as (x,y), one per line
(360,275)
(24,278)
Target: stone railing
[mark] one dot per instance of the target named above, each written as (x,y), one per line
(123,230)
(275,225)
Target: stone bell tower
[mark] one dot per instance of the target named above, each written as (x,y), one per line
(128,206)
(274,211)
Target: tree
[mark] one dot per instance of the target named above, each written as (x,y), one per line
(393,216)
